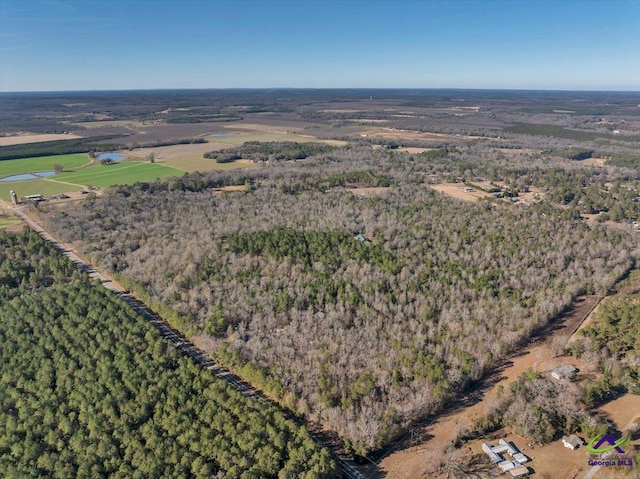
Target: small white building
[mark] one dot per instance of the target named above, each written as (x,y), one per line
(572,442)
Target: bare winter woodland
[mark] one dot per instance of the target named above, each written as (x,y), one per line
(364,336)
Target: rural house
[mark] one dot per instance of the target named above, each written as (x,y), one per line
(572,442)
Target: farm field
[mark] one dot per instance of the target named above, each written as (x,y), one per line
(189,157)
(36,187)
(24,139)
(176,151)
(119,174)
(102,176)
(42,163)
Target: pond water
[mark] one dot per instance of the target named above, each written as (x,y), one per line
(223,134)
(28,176)
(111,155)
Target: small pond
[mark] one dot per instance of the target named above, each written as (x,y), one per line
(222,134)
(111,155)
(28,176)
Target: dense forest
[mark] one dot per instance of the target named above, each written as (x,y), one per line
(90,390)
(265,151)
(363,312)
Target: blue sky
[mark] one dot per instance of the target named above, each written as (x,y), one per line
(138,44)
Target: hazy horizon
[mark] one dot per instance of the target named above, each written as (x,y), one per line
(293,88)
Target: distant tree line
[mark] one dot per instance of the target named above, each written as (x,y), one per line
(59,147)
(264,151)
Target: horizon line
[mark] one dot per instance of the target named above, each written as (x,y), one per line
(564,90)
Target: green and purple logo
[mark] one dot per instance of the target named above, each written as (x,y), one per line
(596,444)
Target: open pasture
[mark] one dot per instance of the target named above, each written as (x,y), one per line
(42,163)
(119,174)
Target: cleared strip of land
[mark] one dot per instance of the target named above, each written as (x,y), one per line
(24,139)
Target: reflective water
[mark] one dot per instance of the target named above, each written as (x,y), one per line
(111,155)
(28,176)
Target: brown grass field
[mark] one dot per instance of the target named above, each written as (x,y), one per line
(36,138)
(456,190)
(198,163)
(175,151)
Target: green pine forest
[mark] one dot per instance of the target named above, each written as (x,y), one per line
(91,390)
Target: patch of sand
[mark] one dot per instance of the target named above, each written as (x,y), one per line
(370,191)
(23,139)
(233,187)
(599,162)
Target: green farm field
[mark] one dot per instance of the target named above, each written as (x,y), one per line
(36,187)
(102,176)
(42,163)
(125,173)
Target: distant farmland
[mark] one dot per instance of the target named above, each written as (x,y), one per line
(102,176)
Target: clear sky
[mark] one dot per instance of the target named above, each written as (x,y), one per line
(143,44)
